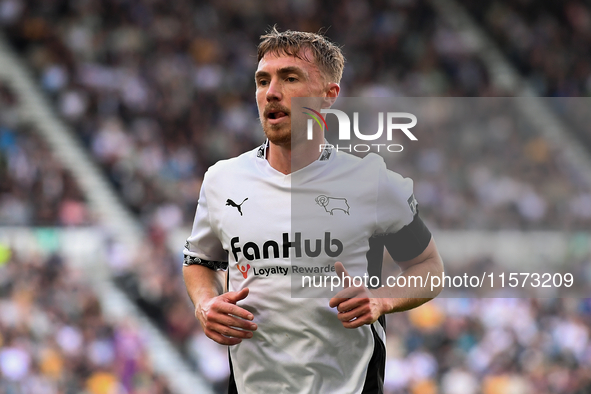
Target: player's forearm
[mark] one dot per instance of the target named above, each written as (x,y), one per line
(203,283)
(417,290)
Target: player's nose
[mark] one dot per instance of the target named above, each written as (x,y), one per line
(274,92)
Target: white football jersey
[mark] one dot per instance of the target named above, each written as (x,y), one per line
(271,229)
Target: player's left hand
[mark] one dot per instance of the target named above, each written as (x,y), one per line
(357,306)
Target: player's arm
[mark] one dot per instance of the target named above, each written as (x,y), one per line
(204,272)
(397,299)
(416,253)
(221,319)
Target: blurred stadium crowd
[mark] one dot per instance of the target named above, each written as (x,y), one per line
(547,40)
(35,189)
(55,339)
(159,90)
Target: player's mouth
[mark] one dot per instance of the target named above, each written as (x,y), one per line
(275,116)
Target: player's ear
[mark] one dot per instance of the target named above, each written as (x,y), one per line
(332,93)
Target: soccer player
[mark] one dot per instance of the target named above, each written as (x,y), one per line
(244,249)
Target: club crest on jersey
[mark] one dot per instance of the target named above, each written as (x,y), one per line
(243,269)
(231,203)
(331,204)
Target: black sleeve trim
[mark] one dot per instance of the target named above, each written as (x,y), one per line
(375,259)
(214,265)
(409,242)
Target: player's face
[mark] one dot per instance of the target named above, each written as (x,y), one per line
(278,79)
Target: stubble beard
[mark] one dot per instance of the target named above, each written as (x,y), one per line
(278,134)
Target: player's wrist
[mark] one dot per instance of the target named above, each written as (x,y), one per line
(387,303)
(378,304)
(203,303)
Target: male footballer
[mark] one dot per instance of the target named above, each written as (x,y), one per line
(244,247)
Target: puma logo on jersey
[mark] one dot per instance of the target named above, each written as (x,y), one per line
(331,204)
(237,206)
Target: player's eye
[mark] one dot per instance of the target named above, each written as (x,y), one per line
(262,82)
(291,79)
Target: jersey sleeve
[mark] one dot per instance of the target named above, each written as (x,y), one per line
(403,232)
(396,205)
(203,247)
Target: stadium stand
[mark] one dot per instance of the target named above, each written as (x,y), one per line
(548,41)
(549,44)
(120,86)
(86,247)
(158,91)
(35,189)
(54,337)
(472,346)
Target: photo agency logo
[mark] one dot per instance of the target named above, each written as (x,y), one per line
(391,119)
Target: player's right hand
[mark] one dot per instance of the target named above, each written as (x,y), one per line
(224,321)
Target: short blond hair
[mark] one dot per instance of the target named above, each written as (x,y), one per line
(327,56)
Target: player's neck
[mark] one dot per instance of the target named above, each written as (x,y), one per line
(288,159)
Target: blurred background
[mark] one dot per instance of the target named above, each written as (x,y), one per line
(112,110)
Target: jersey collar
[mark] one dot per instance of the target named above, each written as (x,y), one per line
(325,155)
